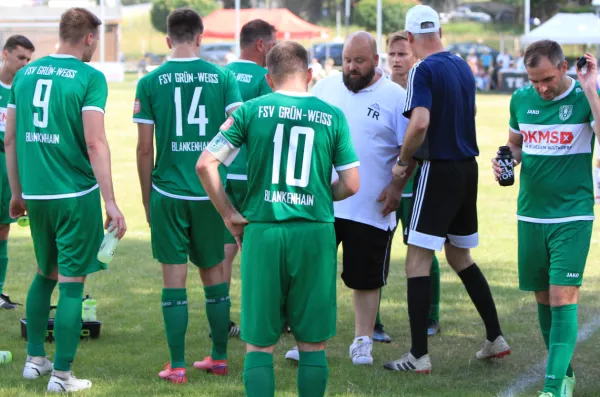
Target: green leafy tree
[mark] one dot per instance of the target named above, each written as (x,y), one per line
(161,9)
(393,12)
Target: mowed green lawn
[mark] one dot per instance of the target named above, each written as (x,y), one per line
(132,347)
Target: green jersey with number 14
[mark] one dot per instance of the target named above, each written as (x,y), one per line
(187,101)
(50,95)
(293,140)
(556,170)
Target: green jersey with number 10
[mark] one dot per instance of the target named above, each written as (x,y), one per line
(50,96)
(293,141)
(187,101)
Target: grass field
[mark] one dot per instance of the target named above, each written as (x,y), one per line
(132,347)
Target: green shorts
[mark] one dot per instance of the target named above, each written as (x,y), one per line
(236,191)
(182,228)
(552,254)
(402,217)
(5,193)
(289,273)
(67,233)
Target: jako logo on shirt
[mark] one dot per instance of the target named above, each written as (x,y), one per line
(572,275)
(373,111)
(565,112)
(532,111)
(549,137)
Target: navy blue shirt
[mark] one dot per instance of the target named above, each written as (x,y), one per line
(444,84)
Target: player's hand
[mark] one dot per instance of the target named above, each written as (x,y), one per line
(399,171)
(147,210)
(17,208)
(114,215)
(497,171)
(236,223)
(390,197)
(589,79)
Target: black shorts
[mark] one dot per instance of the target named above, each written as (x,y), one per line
(444,205)
(366,258)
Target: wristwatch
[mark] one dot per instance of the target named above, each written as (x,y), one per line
(401,163)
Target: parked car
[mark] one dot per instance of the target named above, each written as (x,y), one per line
(465,48)
(215,52)
(328,50)
(464,13)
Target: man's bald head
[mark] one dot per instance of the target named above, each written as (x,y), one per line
(362,40)
(359,61)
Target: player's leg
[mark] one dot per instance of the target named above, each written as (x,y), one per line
(311,302)
(597,173)
(569,246)
(462,237)
(365,269)
(434,307)
(170,223)
(262,318)
(37,306)
(79,233)
(5,221)
(206,252)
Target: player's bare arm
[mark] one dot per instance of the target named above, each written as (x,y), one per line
(145,163)
(415,134)
(347,185)
(99,153)
(515,143)
(588,82)
(17,204)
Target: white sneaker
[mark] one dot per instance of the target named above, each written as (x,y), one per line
(497,349)
(293,354)
(32,371)
(71,384)
(409,363)
(361,351)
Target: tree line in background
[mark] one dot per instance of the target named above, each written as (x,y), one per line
(363,12)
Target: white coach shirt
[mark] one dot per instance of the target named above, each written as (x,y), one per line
(377,127)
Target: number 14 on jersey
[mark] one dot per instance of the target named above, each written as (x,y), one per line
(195,108)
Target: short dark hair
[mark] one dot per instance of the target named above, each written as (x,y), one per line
(254,30)
(286,58)
(544,49)
(183,24)
(76,23)
(18,41)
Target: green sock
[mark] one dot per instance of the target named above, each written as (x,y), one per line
(37,311)
(434,307)
(312,374)
(259,375)
(378,319)
(563,337)
(217,311)
(3,262)
(175,315)
(545,320)
(67,324)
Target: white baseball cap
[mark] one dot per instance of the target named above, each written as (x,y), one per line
(419,20)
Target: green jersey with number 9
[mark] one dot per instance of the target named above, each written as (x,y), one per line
(187,101)
(294,140)
(50,96)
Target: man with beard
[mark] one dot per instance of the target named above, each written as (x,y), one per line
(364,222)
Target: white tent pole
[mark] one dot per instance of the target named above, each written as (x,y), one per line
(527,16)
(347,16)
(102,31)
(237,28)
(379,21)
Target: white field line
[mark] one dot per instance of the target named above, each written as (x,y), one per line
(536,373)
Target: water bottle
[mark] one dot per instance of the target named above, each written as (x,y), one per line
(5,357)
(88,309)
(109,244)
(507,165)
(23,221)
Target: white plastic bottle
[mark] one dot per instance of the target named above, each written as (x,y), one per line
(109,244)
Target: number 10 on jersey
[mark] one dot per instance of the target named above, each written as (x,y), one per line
(195,107)
(290,177)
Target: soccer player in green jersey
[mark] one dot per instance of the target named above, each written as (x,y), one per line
(289,260)
(57,157)
(551,135)
(257,37)
(182,104)
(16,53)
(402,59)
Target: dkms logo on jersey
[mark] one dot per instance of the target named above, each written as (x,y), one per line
(548,137)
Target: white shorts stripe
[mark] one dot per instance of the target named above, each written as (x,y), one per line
(419,195)
(385,258)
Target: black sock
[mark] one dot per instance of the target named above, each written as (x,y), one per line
(419,296)
(479,291)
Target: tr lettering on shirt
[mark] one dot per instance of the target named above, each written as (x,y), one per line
(373,111)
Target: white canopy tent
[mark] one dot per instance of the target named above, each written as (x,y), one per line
(567,29)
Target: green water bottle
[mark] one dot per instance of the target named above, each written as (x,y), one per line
(109,244)
(5,357)
(89,309)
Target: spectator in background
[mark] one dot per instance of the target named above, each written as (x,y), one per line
(482,78)
(487,59)
(330,69)
(520,63)
(473,61)
(317,70)
(503,58)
